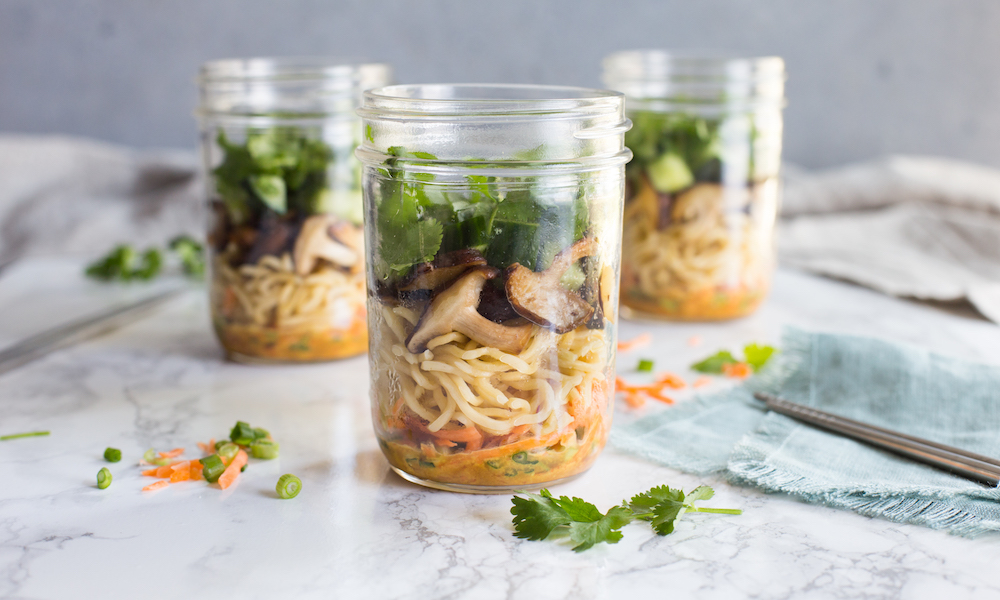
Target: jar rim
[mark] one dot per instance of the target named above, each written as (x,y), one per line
(287,67)
(656,64)
(486,100)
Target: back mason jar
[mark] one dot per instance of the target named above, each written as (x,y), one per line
(285,240)
(702,188)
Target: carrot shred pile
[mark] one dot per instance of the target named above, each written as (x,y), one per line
(635,395)
(208,448)
(635,342)
(172,453)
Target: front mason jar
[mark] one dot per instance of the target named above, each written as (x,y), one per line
(285,241)
(702,188)
(493,222)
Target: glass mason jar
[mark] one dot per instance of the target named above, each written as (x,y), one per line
(285,240)
(702,189)
(493,222)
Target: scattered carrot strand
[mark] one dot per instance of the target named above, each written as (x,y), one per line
(694,340)
(701,382)
(640,340)
(736,370)
(208,448)
(634,400)
(151,472)
(173,453)
(157,485)
(672,381)
(233,470)
(181,472)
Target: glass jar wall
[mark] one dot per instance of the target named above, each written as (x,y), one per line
(702,189)
(493,222)
(285,237)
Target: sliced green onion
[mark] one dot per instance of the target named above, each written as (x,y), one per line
(212,467)
(242,434)
(260,433)
(220,444)
(645,366)
(288,486)
(264,449)
(228,450)
(14,436)
(103,478)
(112,455)
(155,459)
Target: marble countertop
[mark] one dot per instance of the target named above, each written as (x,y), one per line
(359,531)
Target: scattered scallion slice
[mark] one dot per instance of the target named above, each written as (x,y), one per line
(645,366)
(14,436)
(103,478)
(212,468)
(242,434)
(112,455)
(264,449)
(150,456)
(288,486)
(228,450)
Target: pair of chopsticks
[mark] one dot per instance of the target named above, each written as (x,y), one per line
(976,467)
(77,331)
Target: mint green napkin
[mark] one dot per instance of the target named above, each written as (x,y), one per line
(902,388)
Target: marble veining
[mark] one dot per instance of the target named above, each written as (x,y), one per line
(357,530)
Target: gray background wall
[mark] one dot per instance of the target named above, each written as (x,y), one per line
(866,77)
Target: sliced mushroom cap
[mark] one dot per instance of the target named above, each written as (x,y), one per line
(273,237)
(315,243)
(704,201)
(540,298)
(443,270)
(454,309)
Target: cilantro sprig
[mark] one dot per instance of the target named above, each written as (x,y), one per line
(538,516)
(754,354)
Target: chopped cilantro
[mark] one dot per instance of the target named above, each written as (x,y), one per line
(714,363)
(757,356)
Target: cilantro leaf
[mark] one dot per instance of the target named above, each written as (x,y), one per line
(757,356)
(644,504)
(604,529)
(665,514)
(714,363)
(702,492)
(536,516)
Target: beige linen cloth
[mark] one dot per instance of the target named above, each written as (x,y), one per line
(920,227)
(63,196)
(927,228)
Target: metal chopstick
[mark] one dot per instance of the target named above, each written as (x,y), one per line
(970,465)
(77,331)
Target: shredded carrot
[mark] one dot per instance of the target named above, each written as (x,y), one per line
(736,370)
(156,485)
(694,340)
(635,342)
(194,470)
(671,381)
(172,454)
(180,472)
(634,400)
(151,472)
(233,470)
(657,395)
(445,443)
(165,470)
(397,407)
(701,382)
(208,448)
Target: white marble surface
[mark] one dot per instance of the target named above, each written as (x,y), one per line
(359,531)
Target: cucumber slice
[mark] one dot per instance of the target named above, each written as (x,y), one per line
(669,173)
